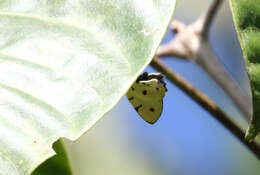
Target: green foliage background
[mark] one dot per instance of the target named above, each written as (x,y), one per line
(246,15)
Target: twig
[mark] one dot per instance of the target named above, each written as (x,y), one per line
(192,43)
(207,18)
(206,103)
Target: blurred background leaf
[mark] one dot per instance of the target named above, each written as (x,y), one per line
(64,64)
(246,15)
(58,164)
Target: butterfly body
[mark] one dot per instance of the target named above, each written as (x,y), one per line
(146,96)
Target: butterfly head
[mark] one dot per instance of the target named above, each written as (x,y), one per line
(156,77)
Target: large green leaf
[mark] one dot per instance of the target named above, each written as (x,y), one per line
(246,14)
(64,64)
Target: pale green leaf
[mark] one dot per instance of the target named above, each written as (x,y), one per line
(64,64)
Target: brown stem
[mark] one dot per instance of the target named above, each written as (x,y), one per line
(217,72)
(207,18)
(206,103)
(191,43)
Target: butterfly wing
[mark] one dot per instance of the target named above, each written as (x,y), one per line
(150,111)
(147,99)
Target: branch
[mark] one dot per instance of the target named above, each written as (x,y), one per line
(206,103)
(207,18)
(192,43)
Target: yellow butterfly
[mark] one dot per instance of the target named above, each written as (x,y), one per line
(146,96)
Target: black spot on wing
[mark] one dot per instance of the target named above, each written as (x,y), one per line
(133,89)
(152,109)
(138,107)
(144,92)
(131,98)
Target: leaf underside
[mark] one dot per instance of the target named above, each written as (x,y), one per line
(64,64)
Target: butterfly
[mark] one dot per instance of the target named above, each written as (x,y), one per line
(146,96)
